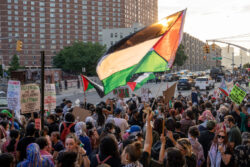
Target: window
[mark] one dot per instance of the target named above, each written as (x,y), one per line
(32,3)
(9,12)
(42,30)
(52,10)
(25,30)
(33,35)
(24,18)
(41,3)
(42,9)
(52,5)
(16,24)
(42,35)
(52,20)
(53,41)
(33,19)
(9,6)
(32,8)
(52,26)
(52,36)
(16,18)
(52,15)
(84,2)
(111,35)
(32,13)
(15,7)
(25,8)
(9,28)
(60,10)
(84,7)
(9,18)
(42,19)
(24,13)
(25,35)
(42,14)
(9,1)
(42,25)
(33,30)
(9,23)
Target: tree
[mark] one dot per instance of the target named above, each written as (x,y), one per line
(14,64)
(247,65)
(73,58)
(180,57)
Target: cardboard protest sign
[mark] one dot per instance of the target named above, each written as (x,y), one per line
(80,113)
(121,92)
(13,95)
(30,98)
(50,97)
(169,93)
(237,94)
(38,123)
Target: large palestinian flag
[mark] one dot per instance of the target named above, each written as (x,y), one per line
(137,83)
(151,49)
(88,84)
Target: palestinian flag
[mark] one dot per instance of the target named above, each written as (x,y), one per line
(151,49)
(88,84)
(141,80)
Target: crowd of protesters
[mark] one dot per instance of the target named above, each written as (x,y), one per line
(194,131)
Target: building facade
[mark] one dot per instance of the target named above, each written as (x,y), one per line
(50,25)
(111,36)
(197,60)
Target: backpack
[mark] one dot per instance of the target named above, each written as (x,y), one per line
(66,131)
(102,163)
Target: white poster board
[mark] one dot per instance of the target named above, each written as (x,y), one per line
(50,97)
(13,96)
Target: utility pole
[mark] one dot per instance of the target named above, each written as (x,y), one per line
(42,89)
(233,62)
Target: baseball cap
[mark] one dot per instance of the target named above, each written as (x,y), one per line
(134,128)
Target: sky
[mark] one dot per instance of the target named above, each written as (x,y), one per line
(212,19)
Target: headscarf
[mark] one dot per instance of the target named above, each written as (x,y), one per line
(207,115)
(80,128)
(34,158)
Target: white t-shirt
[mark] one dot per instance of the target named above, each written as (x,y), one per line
(122,124)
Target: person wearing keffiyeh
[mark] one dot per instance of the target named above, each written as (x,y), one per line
(34,158)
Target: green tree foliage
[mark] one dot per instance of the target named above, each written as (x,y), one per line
(180,57)
(73,58)
(247,65)
(14,64)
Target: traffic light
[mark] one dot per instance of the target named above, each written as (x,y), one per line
(213,46)
(19,45)
(206,48)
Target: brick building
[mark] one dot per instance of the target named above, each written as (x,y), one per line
(50,25)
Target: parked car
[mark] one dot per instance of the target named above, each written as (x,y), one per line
(3,100)
(204,83)
(168,77)
(184,83)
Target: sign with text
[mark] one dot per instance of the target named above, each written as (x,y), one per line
(38,123)
(237,94)
(50,97)
(30,98)
(13,95)
(121,92)
(145,94)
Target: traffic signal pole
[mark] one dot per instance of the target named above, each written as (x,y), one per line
(42,88)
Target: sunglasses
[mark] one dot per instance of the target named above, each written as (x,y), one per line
(219,136)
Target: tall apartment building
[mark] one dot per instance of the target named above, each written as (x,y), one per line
(193,48)
(50,25)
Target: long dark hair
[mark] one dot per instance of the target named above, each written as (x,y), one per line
(108,146)
(100,118)
(13,135)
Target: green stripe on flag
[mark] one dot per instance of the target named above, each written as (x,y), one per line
(139,84)
(152,62)
(90,86)
(117,79)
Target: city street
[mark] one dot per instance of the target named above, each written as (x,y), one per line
(92,96)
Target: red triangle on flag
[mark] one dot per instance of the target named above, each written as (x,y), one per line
(132,85)
(85,83)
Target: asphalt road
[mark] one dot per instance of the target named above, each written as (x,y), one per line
(92,96)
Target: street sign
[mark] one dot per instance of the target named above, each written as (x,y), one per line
(217,58)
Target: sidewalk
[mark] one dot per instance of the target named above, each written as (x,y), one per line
(71,91)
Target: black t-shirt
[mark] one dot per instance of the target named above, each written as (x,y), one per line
(145,159)
(113,162)
(205,139)
(191,161)
(231,162)
(22,145)
(58,146)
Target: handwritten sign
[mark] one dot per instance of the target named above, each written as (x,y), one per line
(13,95)
(50,97)
(30,98)
(237,94)
(38,123)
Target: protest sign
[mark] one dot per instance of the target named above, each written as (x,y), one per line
(80,113)
(121,92)
(50,97)
(38,123)
(30,98)
(237,94)
(13,95)
(169,93)
(145,94)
